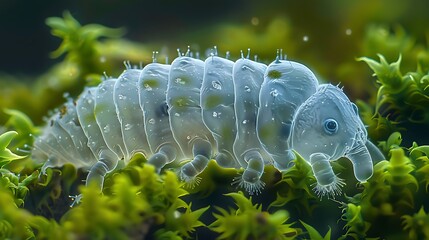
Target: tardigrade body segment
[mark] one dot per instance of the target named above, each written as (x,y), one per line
(184,108)
(286,86)
(217,103)
(130,114)
(244,114)
(248,76)
(152,86)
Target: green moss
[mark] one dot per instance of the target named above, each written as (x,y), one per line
(249,221)
(402,98)
(294,188)
(417,225)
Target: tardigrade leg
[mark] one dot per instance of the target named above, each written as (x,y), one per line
(166,154)
(106,163)
(201,151)
(251,178)
(327,182)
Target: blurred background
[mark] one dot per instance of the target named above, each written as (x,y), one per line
(327,36)
(334,30)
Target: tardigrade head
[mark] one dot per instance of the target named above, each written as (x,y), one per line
(328,124)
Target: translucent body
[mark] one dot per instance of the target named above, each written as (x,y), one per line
(129,113)
(217,102)
(107,118)
(152,86)
(326,127)
(107,160)
(58,144)
(85,105)
(183,99)
(256,114)
(286,86)
(70,123)
(248,76)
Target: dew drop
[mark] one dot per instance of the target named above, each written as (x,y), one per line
(106,129)
(254,21)
(147,87)
(91,144)
(102,90)
(305,38)
(128,126)
(151,121)
(348,32)
(274,93)
(122,97)
(216,85)
(244,121)
(247,88)
(180,81)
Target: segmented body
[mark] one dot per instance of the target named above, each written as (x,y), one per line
(244,114)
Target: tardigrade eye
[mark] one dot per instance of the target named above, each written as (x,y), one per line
(330,126)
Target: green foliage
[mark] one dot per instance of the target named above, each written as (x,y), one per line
(133,206)
(16,185)
(402,98)
(6,155)
(379,127)
(420,156)
(391,194)
(294,187)
(248,221)
(80,42)
(77,38)
(394,141)
(20,122)
(355,224)
(417,225)
(314,234)
(13,221)
(391,189)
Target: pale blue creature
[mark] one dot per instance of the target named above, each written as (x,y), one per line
(326,127)
(217,102)
(245,114)
(184,108)
(248,76)
(129,113)
(152,87)
(286,86)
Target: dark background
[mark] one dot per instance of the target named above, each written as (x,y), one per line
(25,41)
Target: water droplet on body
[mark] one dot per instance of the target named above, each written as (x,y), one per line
(216,85)
(106,129)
